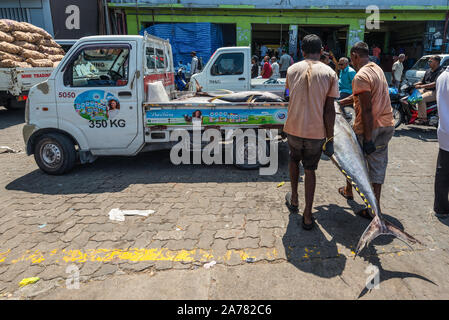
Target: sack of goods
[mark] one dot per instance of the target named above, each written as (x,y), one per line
(24,45)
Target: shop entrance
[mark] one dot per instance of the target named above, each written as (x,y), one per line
(396,37)
(271,36)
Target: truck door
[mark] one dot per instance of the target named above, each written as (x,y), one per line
(228,72)
(101,102)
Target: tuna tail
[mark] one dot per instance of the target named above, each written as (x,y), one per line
(379,227)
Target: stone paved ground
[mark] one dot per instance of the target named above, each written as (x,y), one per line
(205,213)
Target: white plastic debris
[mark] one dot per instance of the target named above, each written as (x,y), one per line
(5,149)
(119,215)
(210,264)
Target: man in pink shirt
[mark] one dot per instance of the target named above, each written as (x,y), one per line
(310,121)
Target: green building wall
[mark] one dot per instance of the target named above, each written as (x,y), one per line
(244,16)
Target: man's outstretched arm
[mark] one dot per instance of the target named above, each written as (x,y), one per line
(367,120)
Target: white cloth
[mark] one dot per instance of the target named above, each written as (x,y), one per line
(398,69)
(443,109)
(156,93)
(275,68)
(85,70)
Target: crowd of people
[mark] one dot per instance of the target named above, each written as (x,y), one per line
(314,87)
(271,68)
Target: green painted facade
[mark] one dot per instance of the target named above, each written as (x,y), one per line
(244,16)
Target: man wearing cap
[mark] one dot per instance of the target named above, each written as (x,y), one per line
(194,65)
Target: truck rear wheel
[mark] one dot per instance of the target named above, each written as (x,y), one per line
(55,153)
(246,153)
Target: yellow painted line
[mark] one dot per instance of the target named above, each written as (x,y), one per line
(152,254)
(134,255)
(3,255)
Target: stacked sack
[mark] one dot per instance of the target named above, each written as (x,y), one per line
(25,45)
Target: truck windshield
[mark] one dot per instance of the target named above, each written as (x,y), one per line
(228,64)
(101,67)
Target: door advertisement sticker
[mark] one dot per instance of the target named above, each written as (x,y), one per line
(97,105)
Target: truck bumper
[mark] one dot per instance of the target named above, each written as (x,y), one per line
(27,131)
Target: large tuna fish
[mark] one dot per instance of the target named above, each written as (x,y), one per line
(350,160)
(248,96)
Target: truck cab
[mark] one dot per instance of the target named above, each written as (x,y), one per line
(97,109)
(229,68)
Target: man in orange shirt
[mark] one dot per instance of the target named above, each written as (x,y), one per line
(310,120)
(374,124)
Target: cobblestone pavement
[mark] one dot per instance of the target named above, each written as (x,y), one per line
(204,213)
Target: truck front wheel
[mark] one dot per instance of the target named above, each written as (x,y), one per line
(55,153)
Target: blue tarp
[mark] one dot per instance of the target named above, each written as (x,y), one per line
(204,38)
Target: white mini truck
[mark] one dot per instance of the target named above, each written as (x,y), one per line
(16,82)
(230,68)
(81,112)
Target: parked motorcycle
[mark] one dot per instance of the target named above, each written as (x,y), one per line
(407,113)
(180,79)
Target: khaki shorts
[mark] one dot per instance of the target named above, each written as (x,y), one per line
(378,160)
(308,151)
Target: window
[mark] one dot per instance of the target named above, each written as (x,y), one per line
(445,63)
(156,59)
(99,67)
(150,58)
(228,64)
(422,64)
(160,59)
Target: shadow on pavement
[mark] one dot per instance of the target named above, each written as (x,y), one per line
(316,251)
(113,174)
(427,134)
(9,118)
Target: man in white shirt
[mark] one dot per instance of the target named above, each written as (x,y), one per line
(441,204)
(275,68)
(398,69)
(194,65)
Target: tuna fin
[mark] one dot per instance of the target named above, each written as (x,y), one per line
(371,232)
(379,227)
(401,235)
